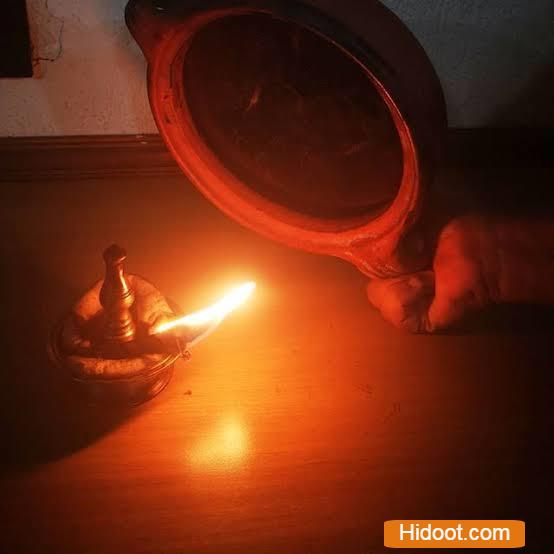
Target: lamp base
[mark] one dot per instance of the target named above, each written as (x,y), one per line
(129,390)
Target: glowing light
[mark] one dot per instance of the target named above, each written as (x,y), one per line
(212,315)
(225,446)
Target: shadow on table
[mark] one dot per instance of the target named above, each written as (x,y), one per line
(509,319)
(42,417)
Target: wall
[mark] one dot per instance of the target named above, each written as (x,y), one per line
(494,58)
(96,83)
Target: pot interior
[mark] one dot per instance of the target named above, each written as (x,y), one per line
(293,116)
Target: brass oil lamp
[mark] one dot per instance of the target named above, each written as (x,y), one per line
(119,342)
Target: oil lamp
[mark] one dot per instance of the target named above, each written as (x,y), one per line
(121,339)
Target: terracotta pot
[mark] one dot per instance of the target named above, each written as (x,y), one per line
(370,40)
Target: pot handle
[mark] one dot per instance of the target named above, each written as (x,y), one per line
(148,21)
(405,251)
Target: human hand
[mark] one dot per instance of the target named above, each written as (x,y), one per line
(478,261)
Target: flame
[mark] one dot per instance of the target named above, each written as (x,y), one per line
(212,315)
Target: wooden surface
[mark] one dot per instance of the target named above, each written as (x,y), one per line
(301,425)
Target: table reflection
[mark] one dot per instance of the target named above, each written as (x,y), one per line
(225,446)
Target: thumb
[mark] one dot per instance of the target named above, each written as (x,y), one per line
(404,301)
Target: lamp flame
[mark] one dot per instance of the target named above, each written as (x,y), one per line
(213,315)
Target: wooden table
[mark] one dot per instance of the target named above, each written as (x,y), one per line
(302,425)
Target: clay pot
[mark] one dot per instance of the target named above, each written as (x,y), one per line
(316,123)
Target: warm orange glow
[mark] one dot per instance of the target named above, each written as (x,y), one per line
(214,314)
(226,446)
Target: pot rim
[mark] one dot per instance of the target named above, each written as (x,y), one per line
(166,89)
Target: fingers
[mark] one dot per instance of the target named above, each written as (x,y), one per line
(418,304)
(465,278)
(445,312)
(425,301)
(404,301)
(460,265)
